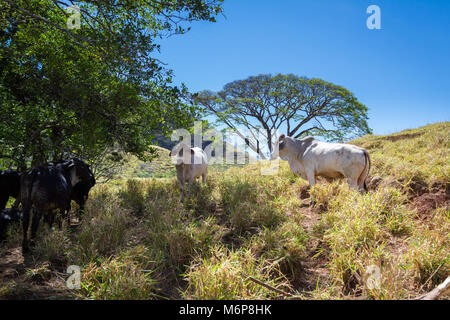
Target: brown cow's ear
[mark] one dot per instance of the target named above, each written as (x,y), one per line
(192,151)
(282,137)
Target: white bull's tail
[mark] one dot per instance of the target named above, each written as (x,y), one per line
(364,174)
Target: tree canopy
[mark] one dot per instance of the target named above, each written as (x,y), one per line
(296,106)
(82,91)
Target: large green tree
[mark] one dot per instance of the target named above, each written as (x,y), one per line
(288,104)
(83,91)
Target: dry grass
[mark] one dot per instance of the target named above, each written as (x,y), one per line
(137,241)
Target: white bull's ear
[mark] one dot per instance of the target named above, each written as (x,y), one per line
(192,151)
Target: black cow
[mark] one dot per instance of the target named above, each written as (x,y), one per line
(80,191)
(9,186)
(48,188)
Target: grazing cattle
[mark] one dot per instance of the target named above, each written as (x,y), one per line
(311,158)
(189,166)
(48,188)
(8,217)
(9,186)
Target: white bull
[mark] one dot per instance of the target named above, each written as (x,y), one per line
(312,158)
(191,163)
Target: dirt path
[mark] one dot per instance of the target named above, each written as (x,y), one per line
(313,273)
(21,280)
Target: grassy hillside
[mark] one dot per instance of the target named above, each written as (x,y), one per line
(137,241)
(417,156)
(162,166)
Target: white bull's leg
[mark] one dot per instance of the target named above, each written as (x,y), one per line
(312,182)
(311,178)
(182,186)
(181,180)
(303,175)
(352,183)
(182,191)
(189,186)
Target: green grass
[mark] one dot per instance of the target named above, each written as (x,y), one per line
(137,241)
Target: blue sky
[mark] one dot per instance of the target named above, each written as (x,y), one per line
(400,72)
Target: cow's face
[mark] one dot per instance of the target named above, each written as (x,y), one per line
(282,150)
(84,173)
(181,156)
(80,172)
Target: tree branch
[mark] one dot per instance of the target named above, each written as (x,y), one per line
(265,285)
(305,131)
(437,292)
